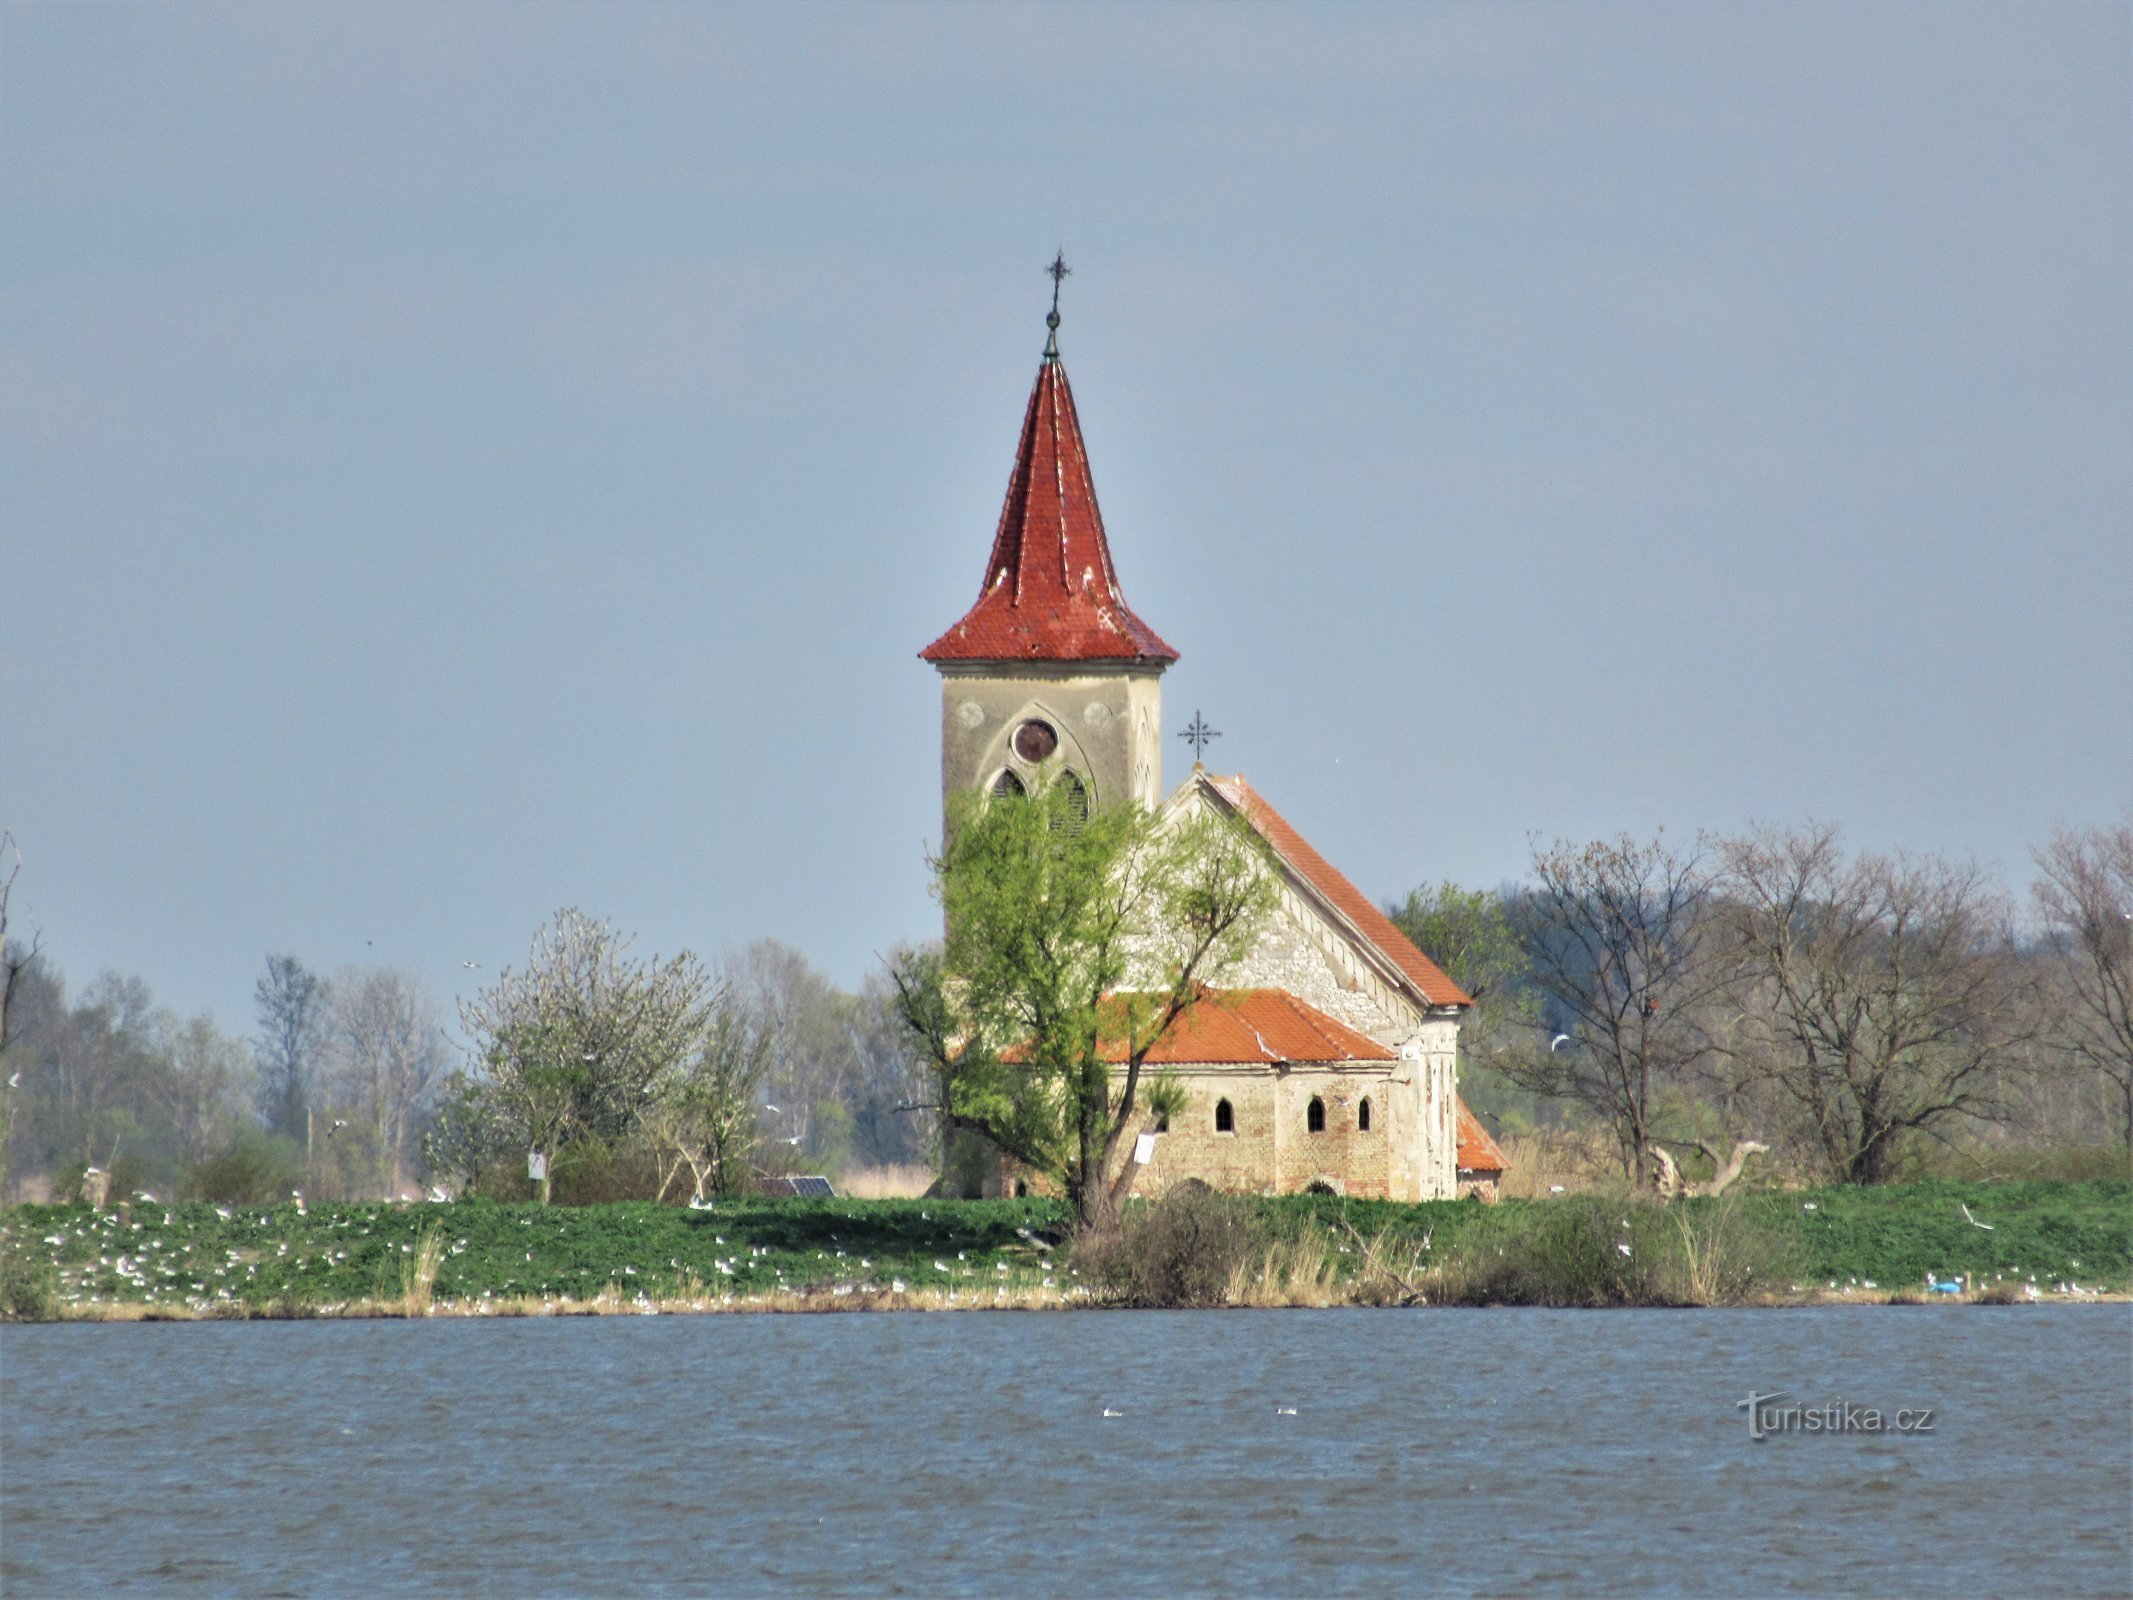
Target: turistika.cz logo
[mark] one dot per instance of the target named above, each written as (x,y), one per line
(1767,1417)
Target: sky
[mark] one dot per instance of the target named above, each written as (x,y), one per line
(462,461)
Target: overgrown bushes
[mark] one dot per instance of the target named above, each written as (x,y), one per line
(1187,1249)
(257,1169)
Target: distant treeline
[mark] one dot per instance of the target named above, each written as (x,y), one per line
(1863,1015)
(350,1083)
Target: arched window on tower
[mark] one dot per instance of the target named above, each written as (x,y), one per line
(1362,1115)
(1077,801)
(1315,1116)
(1007,784)
(1225,1119)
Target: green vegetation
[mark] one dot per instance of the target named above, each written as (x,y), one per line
(205,1258)
(1026,1010)
(1205,1250)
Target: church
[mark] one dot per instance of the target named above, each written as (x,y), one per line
(1330,1061)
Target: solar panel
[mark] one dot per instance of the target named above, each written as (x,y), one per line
(813,1189)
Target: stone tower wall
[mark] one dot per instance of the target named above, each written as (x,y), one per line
(1109,720)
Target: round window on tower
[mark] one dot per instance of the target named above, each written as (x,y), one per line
(1035,740)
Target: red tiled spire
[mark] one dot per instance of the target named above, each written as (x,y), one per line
(1051,593)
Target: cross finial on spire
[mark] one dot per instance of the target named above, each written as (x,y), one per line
(1199,735)
(1059,271)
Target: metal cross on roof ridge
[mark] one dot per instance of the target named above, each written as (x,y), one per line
(1199,735)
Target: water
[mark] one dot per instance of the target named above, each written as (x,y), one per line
(969,1453)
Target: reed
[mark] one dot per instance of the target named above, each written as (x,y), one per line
(1296,1271)
(418,1278)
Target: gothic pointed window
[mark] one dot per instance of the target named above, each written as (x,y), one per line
(1007,784)
(1362,1115)
(1077,800)
(1315,1116)
(1225,1119)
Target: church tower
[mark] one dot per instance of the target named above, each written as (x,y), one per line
(1050,676)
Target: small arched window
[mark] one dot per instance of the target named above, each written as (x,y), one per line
(1315,1116)
(1362,1115)
(1225,1119)
(1007,784)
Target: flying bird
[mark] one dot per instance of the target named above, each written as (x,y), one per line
(1967,1217)
(14,1080)
(1561,1038)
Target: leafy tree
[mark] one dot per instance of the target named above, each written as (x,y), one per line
(574,1045)
(1473,936)
(291,1001)
(2086,897)
(1050,915)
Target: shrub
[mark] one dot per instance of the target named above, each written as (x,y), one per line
(1583,1250)
(257,1169)
(29,1287)
(1727,1254)
(1188,1249)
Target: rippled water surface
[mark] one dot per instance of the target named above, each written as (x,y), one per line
(966,1453)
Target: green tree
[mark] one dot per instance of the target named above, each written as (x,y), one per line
(1471,935)
(1073,942)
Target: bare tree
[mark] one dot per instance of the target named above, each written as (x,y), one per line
(703,1113)
(204,1095)
(892,1116)
(2086,897)
(292,1005)
(1881,995)
(814,1064)
(386,1057)
(1616,940)
(13,958)
(575,1043)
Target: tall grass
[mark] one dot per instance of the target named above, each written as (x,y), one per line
(419,1276)
(907,1181)
(1569,1159)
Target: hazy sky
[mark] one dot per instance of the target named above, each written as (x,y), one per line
(462,460)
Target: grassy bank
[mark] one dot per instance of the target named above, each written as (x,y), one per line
(202,1260)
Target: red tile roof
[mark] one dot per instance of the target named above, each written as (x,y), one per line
(1477,1151)
(1350,901)
(1261,1025)
(1050,591)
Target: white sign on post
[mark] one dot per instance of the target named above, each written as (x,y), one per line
(536,1165)
(1144,1149)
